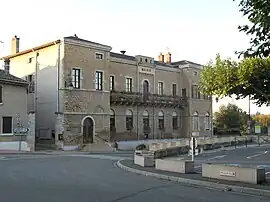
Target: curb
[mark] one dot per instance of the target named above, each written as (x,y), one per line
(210,185)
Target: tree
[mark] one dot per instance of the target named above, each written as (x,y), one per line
(258,14)
(262,119)
(230,118)
(249,77)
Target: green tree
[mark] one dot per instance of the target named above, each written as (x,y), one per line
(249,77)
(230,118)
(258,28)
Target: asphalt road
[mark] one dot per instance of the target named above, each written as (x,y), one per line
(91,179)
(254,156)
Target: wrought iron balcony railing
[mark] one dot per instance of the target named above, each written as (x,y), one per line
(130,98)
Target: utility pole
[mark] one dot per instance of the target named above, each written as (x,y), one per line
(58,76)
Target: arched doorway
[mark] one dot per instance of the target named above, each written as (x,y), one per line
(88,130)
(145,89)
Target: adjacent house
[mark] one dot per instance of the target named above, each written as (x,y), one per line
(86,93)
(14,118)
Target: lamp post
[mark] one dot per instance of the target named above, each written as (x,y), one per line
(249,118)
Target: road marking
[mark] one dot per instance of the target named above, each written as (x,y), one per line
(249,157)
(101,157)
(216,157)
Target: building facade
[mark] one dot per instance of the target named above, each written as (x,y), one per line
(14,120)
(102,95)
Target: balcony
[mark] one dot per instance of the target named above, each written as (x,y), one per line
(140,99)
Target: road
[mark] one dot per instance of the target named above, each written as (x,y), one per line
(256,156)
(93,178)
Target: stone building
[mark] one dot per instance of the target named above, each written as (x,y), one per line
(101,95)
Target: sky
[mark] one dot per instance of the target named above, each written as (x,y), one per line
(194,30)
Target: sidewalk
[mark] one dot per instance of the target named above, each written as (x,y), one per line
(197,179)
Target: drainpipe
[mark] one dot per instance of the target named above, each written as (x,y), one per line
(138,91)
(58,77)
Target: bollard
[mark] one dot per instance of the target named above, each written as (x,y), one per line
(246,142)
(235,142)
(259,141)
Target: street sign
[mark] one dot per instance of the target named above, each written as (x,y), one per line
(196,152)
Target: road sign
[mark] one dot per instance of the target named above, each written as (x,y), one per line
(196,152)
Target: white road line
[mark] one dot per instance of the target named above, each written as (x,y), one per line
(249,157)
(216,157)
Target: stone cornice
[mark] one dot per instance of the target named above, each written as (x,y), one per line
(87,44)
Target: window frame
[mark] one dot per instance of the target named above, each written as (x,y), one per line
(99,76)
(128,84)
(76,78)
(160,88)
(97,56)
(2,126)
(111,82)
(174,91)
(174,120)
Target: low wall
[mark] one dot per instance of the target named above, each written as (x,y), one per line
(14,146)
(144,160)
(251,175)
(174,165)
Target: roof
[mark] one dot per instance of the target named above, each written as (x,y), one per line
(83,40)
(47,45)
(122,56)
(31,50)
(8,78)
(184,62)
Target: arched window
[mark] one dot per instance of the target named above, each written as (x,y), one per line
(161,120)
(145,90)
(195,120)
(145,119)
(129,119)
(174,120)
(112,119)
(207,121)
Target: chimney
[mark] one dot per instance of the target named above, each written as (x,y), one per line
(6,65)
(123,52)
(161,58)
(169,58)
(15,45)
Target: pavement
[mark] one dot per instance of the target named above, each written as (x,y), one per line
(95,178)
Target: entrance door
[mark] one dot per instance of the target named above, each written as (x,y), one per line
(88,131)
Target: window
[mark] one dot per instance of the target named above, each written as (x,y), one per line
(174,89)
(145,119)
(195,120)
(76,78)
(31,87)
(195,92)
(128,84)
(160,88)
(99,56)
(207,121)
(99,80)
(195,73)
(1,94)
(112,120)
(111,83)
(146,60)
(129,119)
(184,92)
(6,125)
(174,120)
(161,120)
